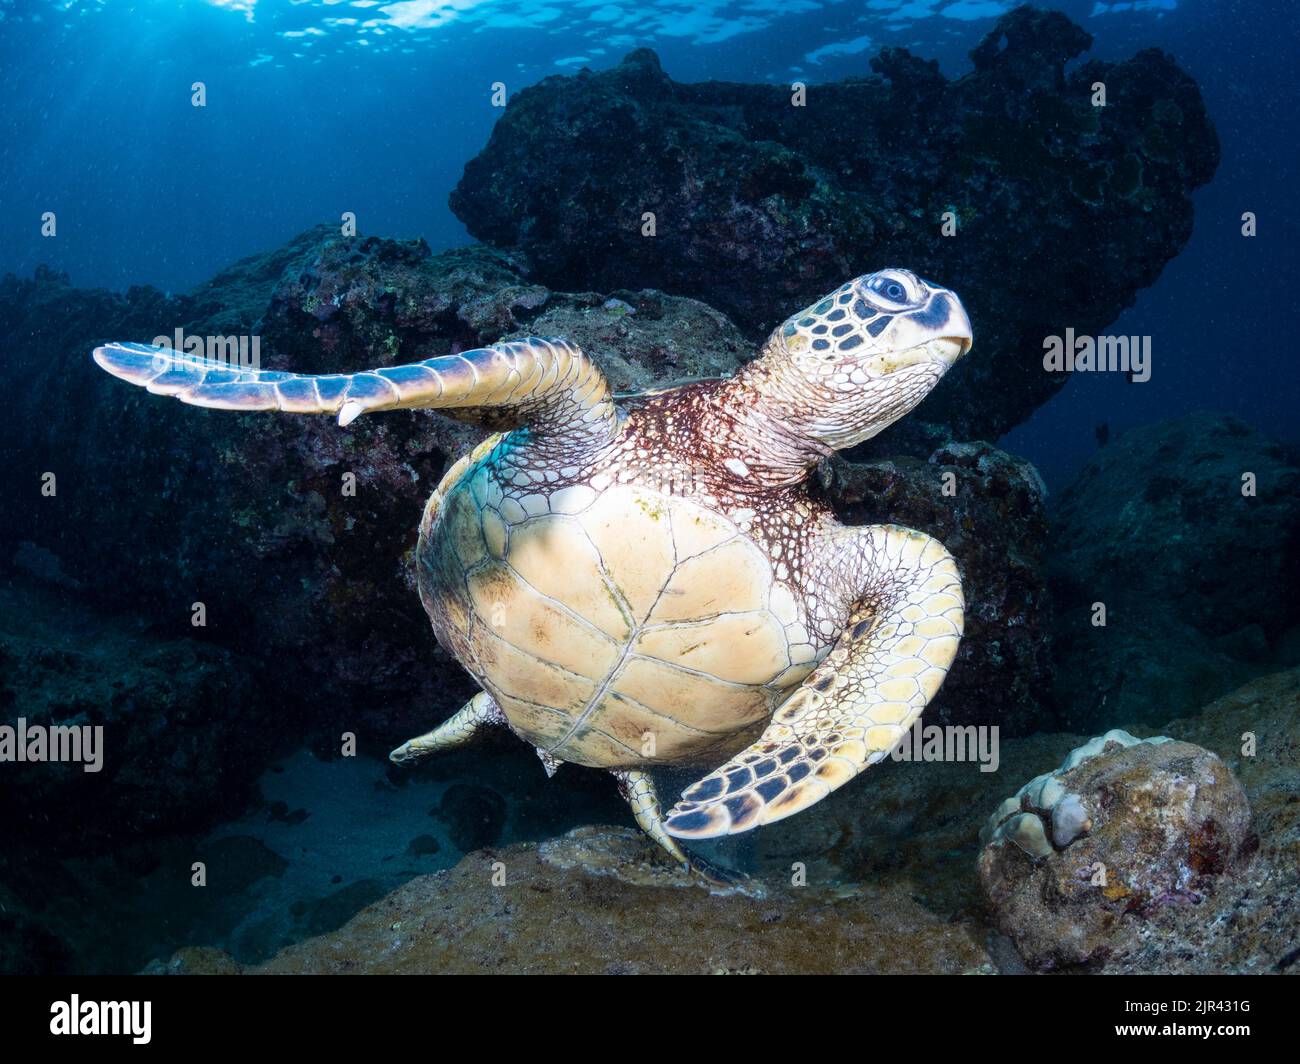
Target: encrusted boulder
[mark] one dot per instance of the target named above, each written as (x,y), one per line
(731,194)
(1256,731)
(1187,533)
(602,901)
(1077,861)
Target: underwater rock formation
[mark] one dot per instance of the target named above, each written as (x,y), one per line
(1079,858)
(891,869)
(892,857)
(1063,210)
(161,506)
(1195,575)
(601,901)
(181,740)
(1256,731)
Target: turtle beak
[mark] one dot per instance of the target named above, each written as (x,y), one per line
(937,332)
(948,349)
(956,335)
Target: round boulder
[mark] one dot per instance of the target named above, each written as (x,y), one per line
(1079,861)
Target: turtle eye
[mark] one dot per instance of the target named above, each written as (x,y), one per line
(890,287)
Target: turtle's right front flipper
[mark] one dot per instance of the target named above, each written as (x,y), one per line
(550,384)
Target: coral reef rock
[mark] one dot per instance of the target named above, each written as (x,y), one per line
(1080,858)
(535,909)
(760,206)
(1255,923)
(1194,573)
(890,872)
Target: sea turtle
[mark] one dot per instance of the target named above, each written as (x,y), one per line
(650,582)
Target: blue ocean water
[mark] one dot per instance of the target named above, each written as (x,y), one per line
(319,107)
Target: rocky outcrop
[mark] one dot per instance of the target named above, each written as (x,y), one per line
(882,876)
(1063,210)
(601,901)
(1195,573)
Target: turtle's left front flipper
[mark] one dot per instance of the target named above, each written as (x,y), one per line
(547,383)
(855,707)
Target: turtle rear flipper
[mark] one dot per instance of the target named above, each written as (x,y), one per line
(478,714)
(638,790)
(550,384)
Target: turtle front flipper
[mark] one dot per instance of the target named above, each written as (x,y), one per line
(547,383)
(856,706)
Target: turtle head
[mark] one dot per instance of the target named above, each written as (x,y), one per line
(858,360)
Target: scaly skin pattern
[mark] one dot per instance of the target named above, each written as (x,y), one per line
(652,584)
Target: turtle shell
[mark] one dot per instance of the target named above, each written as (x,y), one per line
(615,627)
